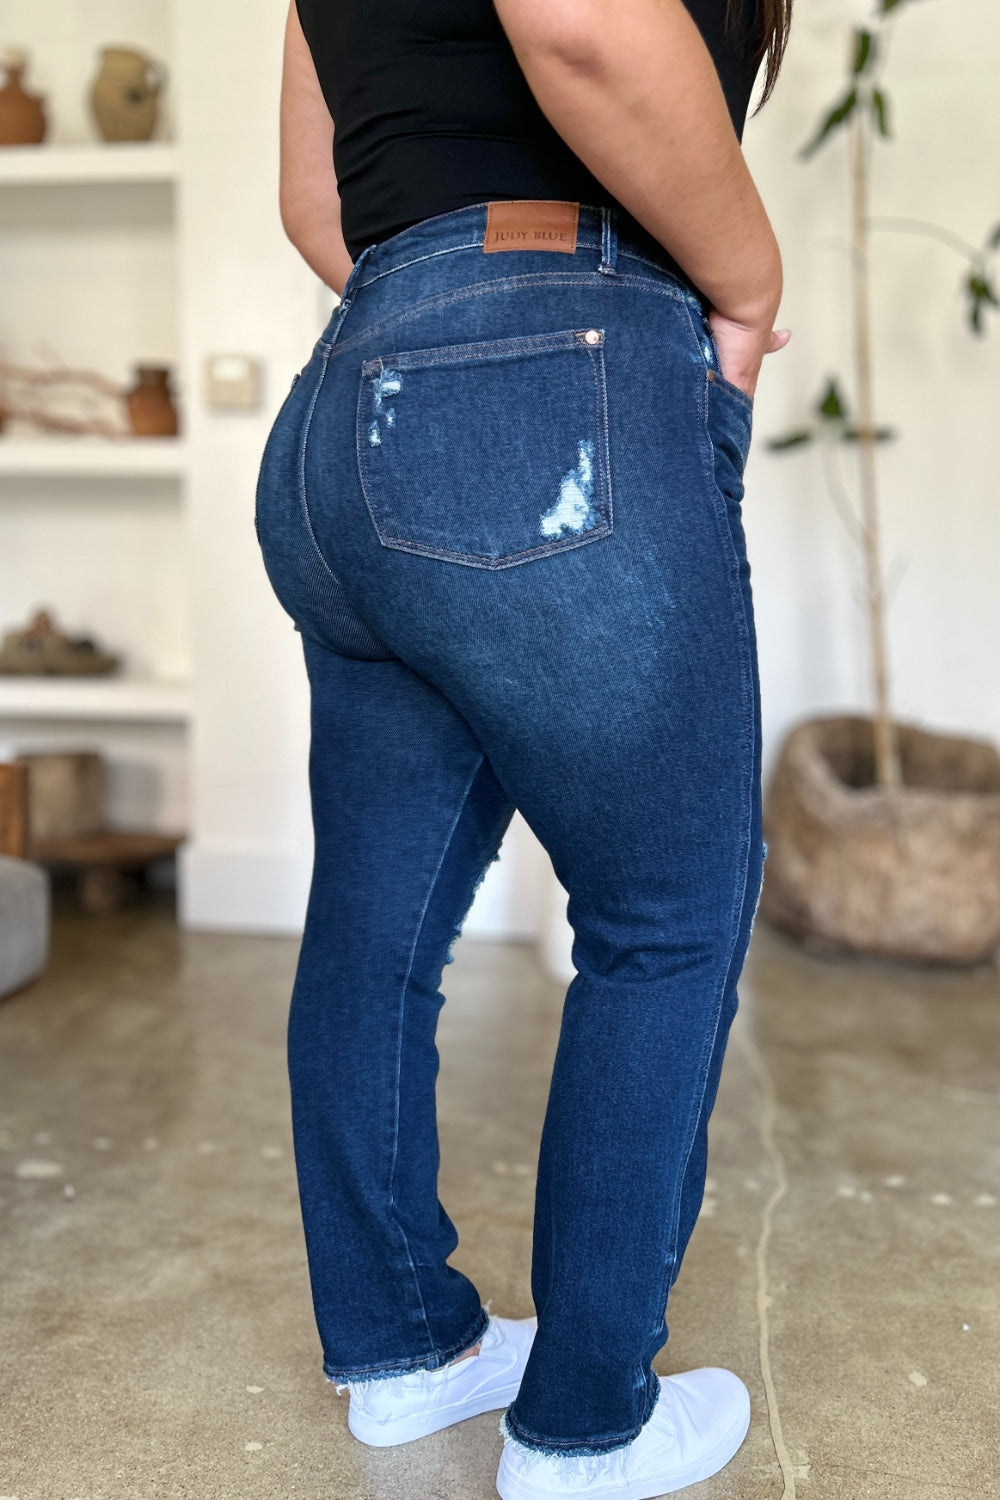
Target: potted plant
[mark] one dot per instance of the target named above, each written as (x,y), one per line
(883,838)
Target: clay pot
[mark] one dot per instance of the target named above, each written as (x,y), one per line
(22,115)
(150,403)
(125,95)
(908,873)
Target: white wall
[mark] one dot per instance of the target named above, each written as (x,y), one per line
(938,386)
(243,289)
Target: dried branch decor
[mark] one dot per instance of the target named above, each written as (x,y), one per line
(62,400)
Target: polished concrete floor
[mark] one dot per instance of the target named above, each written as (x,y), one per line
(157,1338)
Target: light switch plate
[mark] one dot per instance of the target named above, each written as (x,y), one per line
(232,382)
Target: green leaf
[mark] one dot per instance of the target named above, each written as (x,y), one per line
(885,6)
(796,439)
(880,111)
(840,112)
(993,239)
(982,295)
(831,406)
(865,51)
(982,288)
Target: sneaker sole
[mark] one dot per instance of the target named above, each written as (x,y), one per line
(513,1487)
(408,1429)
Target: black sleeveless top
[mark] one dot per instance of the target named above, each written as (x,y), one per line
(432,112)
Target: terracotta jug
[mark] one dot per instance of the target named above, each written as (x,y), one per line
(22,115)
(125,95)
(150,403)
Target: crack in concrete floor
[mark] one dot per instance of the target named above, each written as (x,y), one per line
(766,1124)
(158,1335)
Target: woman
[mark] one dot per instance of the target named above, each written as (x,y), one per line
(502,506)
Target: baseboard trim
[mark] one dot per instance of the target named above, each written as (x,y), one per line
(240,886)
(243,887)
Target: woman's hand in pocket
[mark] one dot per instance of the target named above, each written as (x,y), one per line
(742,348)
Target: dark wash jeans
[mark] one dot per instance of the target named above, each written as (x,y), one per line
(502,506)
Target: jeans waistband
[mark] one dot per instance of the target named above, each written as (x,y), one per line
(605,236)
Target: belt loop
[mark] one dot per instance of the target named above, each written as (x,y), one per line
(350,286)
(609,240)
(349,294)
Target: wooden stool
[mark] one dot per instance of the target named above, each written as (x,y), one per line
(13,809)
(103,860)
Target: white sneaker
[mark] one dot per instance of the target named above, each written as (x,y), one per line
(698,1423)
(403,1407)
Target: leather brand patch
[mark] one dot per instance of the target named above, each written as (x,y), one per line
(531,224)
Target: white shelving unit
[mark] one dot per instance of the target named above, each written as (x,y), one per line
(97,528)
(51,166)
(109,699)
(94,458)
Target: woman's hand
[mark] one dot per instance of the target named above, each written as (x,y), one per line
(742,348)
(641,105)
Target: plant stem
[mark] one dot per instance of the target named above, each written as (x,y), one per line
(837,489)
(887,767)
(929,231)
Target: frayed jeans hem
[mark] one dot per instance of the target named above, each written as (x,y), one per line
(362,1373)
(539,1447)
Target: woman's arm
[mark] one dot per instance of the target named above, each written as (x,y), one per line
(310,203)
(635,94)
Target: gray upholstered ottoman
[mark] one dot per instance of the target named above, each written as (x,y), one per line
(24,922)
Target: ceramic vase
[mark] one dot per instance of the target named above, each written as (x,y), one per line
(150,404)
(22,115)
(125,95)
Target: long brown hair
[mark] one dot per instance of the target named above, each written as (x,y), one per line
(772,22)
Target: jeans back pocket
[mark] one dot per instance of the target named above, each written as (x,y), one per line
(487,454)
